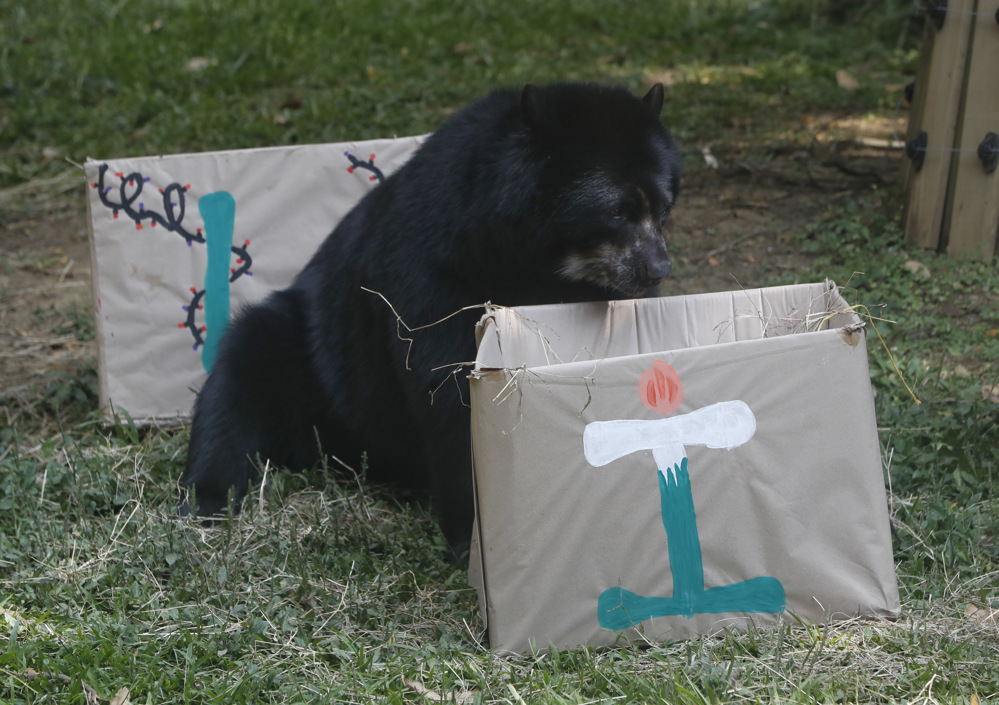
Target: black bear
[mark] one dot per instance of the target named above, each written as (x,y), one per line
(543,195)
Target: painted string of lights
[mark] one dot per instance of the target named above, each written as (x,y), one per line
(355,163)
(130,203)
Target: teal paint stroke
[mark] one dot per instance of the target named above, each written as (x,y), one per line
(218,211)
(618,608)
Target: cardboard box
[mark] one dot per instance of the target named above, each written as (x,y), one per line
(665,467)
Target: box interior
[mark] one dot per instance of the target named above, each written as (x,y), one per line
(542,336)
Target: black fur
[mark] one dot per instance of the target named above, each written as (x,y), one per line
(553,194)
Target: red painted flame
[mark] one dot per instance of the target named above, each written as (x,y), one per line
(660,388)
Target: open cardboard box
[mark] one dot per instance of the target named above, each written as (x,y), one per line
(658,468)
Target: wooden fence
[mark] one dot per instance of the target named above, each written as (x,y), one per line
(952,141)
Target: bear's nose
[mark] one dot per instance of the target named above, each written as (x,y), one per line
(659,269)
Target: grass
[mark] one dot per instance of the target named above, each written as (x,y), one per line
(324,591)
(110,79)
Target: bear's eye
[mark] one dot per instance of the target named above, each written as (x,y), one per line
(617,212)
(663,217)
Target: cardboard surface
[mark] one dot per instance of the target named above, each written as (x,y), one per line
(164,291)
(765,470)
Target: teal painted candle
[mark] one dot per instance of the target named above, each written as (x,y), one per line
(618,608)
(218,211)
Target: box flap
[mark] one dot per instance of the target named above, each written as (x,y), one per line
(540,336)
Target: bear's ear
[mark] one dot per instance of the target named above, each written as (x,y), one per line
(531,104)
(654,99)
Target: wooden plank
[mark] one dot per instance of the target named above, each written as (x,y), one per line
(928,186)
(919,96)
(974,213)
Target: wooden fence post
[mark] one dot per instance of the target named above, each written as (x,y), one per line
(938,119)
(971,222)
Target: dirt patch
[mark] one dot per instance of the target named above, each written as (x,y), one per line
(46,316)
(736,226)
(733,228)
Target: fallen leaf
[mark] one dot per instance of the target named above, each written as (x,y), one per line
(460,697)
(982,615)
(917,268)
(753,259)
(121,697)
(846,81)
(667,78)
(714,261)
(420,689)
(709,159)
(990,392)
(200,63)
(50,153)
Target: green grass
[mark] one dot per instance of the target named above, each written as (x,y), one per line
(110,79)
(939,319)
(326,592)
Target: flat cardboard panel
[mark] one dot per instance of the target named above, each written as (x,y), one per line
(801,503)
(152,351)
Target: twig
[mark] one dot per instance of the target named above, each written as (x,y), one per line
(870,317)
(263,483)
(871,142)
(400,322)
(738,241)
(456,368)
(45,477)
(851,171)
(65,270)
(61,182)
(427,325)
(89,693)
